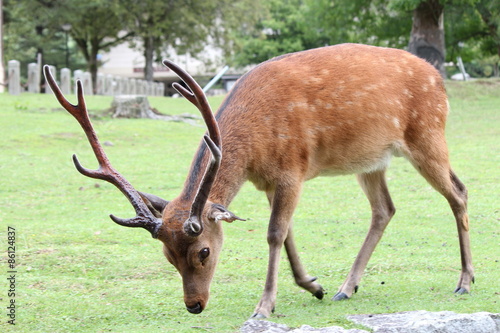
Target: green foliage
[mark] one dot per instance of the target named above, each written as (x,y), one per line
(97,25)
(186,27)
(294,25)
(472,27)
(249,31)
(80,272)
(473,32)
(279,32)
(26,35)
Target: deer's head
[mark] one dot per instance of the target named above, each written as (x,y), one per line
(188,226)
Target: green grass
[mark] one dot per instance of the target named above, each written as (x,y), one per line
(80,272)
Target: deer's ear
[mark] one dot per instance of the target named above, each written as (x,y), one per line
(217,212)
(155,204)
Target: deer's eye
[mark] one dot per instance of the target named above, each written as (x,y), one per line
(204,253)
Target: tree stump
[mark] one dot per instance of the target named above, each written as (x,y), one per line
(126,106)
(137,106)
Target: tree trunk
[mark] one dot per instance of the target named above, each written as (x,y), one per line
(148,55)
(92,61)
(427,34)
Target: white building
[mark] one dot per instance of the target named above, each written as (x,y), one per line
(125,61)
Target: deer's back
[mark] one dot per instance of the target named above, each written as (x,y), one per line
(339,109)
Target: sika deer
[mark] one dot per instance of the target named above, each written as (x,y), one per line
(344,109)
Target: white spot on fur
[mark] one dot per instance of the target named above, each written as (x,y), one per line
(399,104)
(359,94)
(439,107)
(370,87)
(407,93)
(432,80)
(395,121)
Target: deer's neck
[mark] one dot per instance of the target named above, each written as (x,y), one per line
(228,182)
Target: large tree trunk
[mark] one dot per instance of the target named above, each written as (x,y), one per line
(427,34)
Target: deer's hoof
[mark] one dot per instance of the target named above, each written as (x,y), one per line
(258,316)
(340,297)
(461,291)
(319,294)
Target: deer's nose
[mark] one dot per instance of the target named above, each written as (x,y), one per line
(195,309)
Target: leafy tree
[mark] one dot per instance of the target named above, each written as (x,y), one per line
(25,35)
(418,25)
(184,25)
(293,25)
(280,29)
(473,32)
(34,26)
(95,26)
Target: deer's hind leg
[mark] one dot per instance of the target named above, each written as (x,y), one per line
(432,162)
(375,188)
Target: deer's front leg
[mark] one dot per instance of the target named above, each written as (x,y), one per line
(283,201)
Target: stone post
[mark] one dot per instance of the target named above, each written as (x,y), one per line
(87,84)
(160,89)
(132,87)
(125,85)
(109,85)
(100,88)
(66,81)
(138,87)
(33,78)
(14,77)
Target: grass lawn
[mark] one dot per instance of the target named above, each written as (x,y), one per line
(77,271)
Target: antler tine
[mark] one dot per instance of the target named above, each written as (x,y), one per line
(71,108)
(144,217)
(198,98)
(194,225)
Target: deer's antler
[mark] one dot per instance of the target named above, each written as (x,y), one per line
(195,95)
(144,218)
